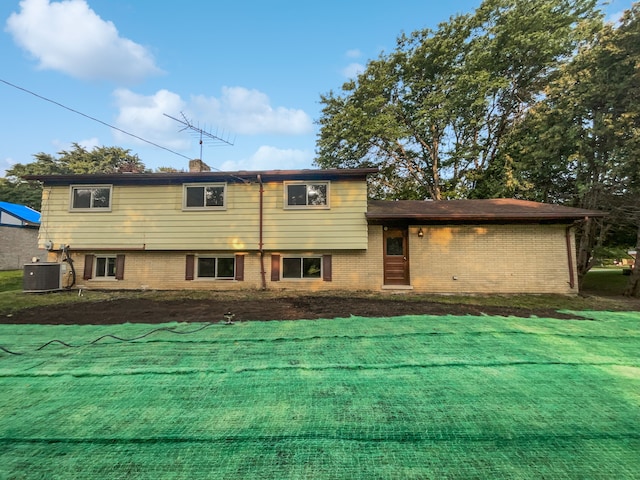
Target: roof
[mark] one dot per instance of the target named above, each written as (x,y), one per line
(196,177)
(490,210)
(21,212)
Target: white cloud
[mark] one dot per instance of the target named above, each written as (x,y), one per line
(238,111)
(271,158)
(143,116)
(353,70)
(249,112)
(354,53)
(71,38)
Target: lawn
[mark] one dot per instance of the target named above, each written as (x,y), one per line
(357,398)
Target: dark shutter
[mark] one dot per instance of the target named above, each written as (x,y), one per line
(240,267)
(119,267)
(275,267)
(88,267)
(190,267)
(326,268)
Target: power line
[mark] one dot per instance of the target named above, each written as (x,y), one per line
(92,118)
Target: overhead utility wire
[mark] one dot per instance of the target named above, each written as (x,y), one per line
(92,118)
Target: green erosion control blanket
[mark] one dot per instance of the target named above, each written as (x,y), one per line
(359,398)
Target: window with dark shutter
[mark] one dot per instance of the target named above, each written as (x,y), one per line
(275,267)
(190,269)
(88,267)
(326,268)
(239,268)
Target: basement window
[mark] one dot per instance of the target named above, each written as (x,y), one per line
(222,268)
(306,195)
(105,267)
(302,267)
(91,197)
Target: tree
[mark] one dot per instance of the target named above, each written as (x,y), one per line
(434,114)
(78,160)
(580,143)
(168,170)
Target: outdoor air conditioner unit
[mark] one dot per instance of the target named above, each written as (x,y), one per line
(43,277)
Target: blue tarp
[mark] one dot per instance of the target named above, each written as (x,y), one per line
(21,212)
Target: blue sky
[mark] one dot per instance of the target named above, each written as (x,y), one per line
(250,72)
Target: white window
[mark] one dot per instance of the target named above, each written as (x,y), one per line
(302,267)
(222,268)
(105,266)
(209,196)
(91,197)
(306,195)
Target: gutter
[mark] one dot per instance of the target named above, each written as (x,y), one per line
(567,234)
(260,235)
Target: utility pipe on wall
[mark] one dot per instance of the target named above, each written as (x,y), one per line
(572,281)
(260,241)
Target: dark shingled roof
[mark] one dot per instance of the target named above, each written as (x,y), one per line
(491,210)
(217,176)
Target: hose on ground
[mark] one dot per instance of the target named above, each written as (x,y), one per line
(115,337)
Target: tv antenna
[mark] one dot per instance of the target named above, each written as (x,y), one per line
(202,134)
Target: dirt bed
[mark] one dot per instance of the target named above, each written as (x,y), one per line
(284,308)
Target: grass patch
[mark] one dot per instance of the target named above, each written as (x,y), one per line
(10,280)
(408,398)
(605,281)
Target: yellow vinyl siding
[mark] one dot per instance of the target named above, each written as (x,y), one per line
(341,227)
(151,217)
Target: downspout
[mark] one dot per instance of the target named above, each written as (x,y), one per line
(567,234)
(260,241)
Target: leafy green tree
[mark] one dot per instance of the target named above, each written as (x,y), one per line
(22,193)
(434,114)
(78,160)
(580,144)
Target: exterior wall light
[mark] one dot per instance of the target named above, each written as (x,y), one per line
(420,233)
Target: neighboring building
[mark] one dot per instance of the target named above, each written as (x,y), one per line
(300,230)
(18,236)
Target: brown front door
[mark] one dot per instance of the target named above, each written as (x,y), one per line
(396,256)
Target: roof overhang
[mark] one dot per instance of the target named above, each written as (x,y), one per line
(499,210)
(204,177)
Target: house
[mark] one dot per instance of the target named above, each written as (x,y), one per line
(299,230)
(18,235)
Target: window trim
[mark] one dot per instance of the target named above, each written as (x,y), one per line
(73,188)
(91,267)
(302,278)
(185,186)
(326,206)
(105,278)
(196,270)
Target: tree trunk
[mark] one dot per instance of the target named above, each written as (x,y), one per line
(633,285)
(586,239)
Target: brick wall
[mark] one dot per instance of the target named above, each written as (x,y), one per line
(18,245)
(446,260)
(491,259)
